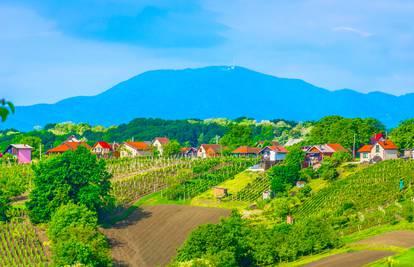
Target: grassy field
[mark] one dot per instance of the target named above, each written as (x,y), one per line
(404,259)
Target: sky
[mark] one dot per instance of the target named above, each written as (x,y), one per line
(53,49)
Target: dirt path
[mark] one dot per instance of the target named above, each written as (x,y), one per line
(152,234)
(403,239)
(352,259)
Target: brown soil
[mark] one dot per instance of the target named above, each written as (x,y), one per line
(352,259)
(151,235)
(404,239)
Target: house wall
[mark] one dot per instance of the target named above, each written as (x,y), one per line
(280,156)
(24,155)
(201,153)
(127,151)
(366,158)
(384,154)
(158,145)
(390,154)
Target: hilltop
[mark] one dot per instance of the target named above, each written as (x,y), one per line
(218,91)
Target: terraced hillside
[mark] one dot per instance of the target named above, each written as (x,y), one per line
(372,187)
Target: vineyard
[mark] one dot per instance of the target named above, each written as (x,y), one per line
(175,178)
(204,178)
(253,190)
(20,244)
(373,187)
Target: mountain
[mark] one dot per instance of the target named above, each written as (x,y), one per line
(217,91)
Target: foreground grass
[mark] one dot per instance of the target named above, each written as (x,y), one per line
(404,259)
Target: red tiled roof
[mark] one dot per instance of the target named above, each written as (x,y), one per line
(103,144)
(337,147)
(67,146)
(387,145)
(138,145)
(246,150)
(162,140)
(378,136)
(366,148)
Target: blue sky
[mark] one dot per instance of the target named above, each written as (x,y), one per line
(51,50)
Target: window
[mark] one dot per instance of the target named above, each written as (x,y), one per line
(377,149)
(365,155)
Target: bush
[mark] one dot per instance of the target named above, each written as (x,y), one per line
(75,238)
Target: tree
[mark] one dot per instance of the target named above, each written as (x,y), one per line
(172,148)
(403,135)
(238,135)
(73,231)
(6,108)
(75,176)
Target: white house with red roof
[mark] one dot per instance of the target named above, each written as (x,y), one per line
(102,149)
(379,151)
(135,149)
(273,153)
(159,143)
(209,151)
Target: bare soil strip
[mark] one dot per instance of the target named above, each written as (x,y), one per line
(352,259)
(152,234)
(404,239)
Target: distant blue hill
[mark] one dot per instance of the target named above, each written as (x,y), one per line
(214,92)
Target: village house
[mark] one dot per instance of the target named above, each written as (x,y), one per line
(273,153)
(67,146)
(102,149)
(188,152)
(409,153)
(209,151)
(23,153)
(315,154)
(379,151)
(159,143)
(135,149)
(246,151)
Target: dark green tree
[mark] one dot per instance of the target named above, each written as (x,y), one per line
(403,135)
(75,176)
(4,205)
(172,148)
(6,108)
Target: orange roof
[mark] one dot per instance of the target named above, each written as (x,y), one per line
(67,146)
(246,150)
(138,145)
(337,147)
(162,140)
(387,145)
(366,148)
(214,147)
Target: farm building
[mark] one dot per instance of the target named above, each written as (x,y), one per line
(159,142)
(23,153)
(246,151)
(315,154)
(209,151)
(67,146)
(135,149)
(188,152)
(381,150)
(102,149)
(273,153)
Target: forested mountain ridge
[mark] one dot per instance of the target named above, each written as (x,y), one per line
(208,92)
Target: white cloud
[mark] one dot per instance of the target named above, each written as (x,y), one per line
(352,30)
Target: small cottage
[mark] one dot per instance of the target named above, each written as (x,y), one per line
(273,153)
(409,153)
(188,152)
(300,184)
(209,151)
(23,153)
(219,192)
(159,143)
(102,149)
(135,149)
(315,154)
(381,150)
